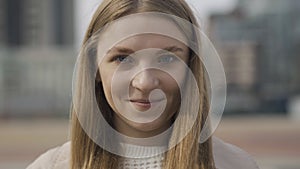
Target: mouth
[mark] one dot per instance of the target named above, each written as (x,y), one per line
(144,103)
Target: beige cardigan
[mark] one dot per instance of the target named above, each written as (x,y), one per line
(226,156)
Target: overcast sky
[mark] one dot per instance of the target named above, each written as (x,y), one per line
(84,10)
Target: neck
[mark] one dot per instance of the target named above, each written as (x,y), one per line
(133,134)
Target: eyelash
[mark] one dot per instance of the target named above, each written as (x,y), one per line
(118,58)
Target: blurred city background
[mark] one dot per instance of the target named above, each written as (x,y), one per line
(258,42)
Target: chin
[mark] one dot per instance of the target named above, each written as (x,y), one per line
(145,127)
(149,129)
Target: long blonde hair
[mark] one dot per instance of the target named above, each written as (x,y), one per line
(85,153)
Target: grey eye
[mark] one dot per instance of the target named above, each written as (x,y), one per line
(166,58)
(123,59)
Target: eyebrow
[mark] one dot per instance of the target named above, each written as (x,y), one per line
(172,49)
(121,49)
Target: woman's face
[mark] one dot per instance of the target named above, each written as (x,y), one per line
(141,78)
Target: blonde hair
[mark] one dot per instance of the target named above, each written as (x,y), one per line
(85,153)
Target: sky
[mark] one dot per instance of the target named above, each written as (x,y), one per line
(84,10)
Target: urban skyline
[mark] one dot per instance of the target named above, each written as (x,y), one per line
(258,47)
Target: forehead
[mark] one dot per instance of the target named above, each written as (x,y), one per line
(146,23)
(155,30)
(145,41)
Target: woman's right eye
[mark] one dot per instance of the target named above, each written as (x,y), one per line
(122,59)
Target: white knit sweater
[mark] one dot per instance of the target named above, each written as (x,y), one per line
(136,162)
(226,156)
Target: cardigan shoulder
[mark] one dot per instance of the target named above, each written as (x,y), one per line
(228,156)
(55,158)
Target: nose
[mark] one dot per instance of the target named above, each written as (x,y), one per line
(145,81)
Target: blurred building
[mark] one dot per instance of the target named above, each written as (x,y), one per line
(36,57)
(259,45)
(32,22)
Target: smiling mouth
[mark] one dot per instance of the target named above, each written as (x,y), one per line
(144,103)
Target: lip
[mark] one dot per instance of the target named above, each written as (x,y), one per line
(144,103)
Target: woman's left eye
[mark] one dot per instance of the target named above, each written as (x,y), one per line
(166,58)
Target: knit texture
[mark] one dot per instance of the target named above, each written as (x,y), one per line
(142,157)
(226,156)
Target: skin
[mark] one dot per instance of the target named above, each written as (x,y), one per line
(136,62)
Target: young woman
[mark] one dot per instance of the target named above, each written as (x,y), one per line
(140,97)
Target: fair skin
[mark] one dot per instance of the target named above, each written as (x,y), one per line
(145,81)
(142,76)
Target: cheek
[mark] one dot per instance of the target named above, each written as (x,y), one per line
(115,85)
(109,91)
(106,87)
(171,87)
(106,83)
(173,98)
(175,79)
